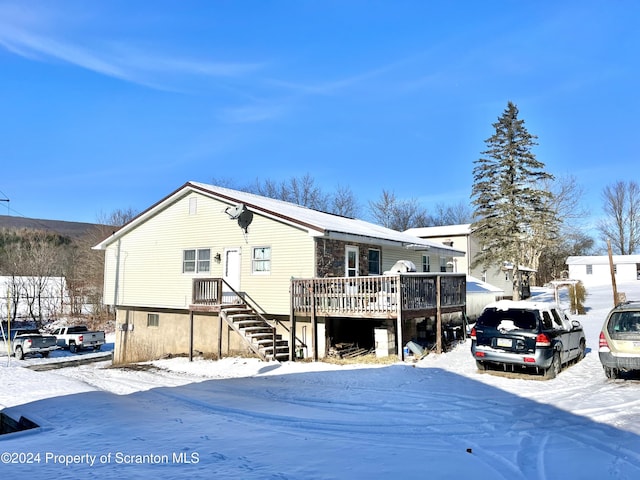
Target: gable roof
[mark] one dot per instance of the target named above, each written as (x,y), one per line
(316,223)
(441,231)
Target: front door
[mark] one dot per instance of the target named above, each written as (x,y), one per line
(351,263)
(231,275)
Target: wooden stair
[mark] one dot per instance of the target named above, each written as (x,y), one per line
(256,331)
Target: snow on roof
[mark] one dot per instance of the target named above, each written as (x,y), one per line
(602,259)
(317,223)
(475,285)
(440,231)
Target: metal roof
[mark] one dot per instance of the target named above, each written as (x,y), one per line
(317,223)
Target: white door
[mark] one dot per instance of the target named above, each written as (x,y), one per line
(351,263)
(231,275)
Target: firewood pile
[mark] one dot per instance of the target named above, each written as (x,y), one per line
(347,350)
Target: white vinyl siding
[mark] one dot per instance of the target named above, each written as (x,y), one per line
(150,257)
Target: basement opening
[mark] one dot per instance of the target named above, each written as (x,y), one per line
(10,425)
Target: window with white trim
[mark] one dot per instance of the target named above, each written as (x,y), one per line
(443,264)
(589,269)
(426,263)
(196,260)
(261,260)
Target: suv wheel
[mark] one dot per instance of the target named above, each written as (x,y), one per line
(481,365)
(554,368)
(583,349)
(611,373)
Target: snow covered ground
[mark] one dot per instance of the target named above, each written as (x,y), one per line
(246,419)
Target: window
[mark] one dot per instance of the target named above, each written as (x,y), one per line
(443,264)
(351,264)
(261,260)
(193,205)
(374,261)
(153,320)
(204,260)
(426,263)
(589,269)
(556,318)
(196,261)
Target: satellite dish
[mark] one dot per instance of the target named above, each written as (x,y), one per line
(235,211)
(245,219)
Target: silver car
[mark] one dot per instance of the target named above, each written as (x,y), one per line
(619,346)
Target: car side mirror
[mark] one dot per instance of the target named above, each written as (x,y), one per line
(576,324)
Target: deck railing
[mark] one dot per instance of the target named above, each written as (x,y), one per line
(380,295)
(207,291)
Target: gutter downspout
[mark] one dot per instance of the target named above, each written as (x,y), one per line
(117,283)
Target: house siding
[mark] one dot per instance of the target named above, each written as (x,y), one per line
(151,254)
(601,273)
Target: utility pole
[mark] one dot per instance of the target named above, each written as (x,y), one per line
(616,300)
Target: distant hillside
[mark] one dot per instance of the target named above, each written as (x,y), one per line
(73,230)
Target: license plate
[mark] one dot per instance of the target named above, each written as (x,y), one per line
(504,342)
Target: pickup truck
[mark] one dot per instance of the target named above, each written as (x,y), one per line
(28,342)
(78,338)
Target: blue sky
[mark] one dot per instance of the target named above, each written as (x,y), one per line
(114,104)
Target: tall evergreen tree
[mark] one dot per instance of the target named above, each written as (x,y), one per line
(509,197)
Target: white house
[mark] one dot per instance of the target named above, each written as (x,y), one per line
(216,270)
(460,237)
(596,270)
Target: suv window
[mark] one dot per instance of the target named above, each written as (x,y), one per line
(521,319)
(624,322)
(556,318)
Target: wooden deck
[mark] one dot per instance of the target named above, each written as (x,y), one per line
(401,296)
(408,295)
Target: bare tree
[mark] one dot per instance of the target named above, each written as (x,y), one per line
(301,191)
(304,191)
(32,261)
(84,267)
(344,202)
(548,254)
(622,223)
(457,214)
(396,214)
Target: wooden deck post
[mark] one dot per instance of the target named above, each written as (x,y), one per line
(314,323)
(399,332)
(292,320)
(219,335)
(438,315)
(191,336)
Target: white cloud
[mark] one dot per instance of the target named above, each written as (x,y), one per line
(126,63)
